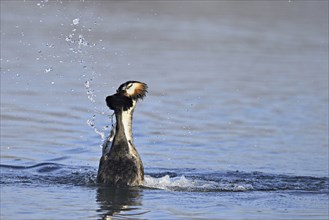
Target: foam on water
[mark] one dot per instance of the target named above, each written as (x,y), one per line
(166,182)
(181,183)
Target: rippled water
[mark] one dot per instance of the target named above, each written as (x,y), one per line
(235,124)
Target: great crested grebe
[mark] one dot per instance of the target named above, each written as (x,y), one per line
(120,164)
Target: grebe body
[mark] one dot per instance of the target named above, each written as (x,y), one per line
(120,164)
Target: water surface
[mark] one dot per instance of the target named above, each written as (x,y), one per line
(235,124)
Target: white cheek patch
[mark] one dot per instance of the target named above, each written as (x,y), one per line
(132,89)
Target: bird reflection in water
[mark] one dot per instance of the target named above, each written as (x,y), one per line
(124,202)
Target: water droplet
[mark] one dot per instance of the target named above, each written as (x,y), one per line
(47,70)
(87,85)
(76,21)
(50,45)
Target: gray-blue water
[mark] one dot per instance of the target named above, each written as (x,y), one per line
(235,124)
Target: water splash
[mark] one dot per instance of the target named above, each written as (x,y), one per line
(90,92)
(77,42)
(82,42)
(181,183)
(189,181)
(101,133)
(41,4)
(48,69)
(237,181)
(166,182)
(76,21)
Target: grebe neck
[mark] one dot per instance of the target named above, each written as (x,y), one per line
(124,124)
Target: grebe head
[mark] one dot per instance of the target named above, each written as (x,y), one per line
(126,96)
